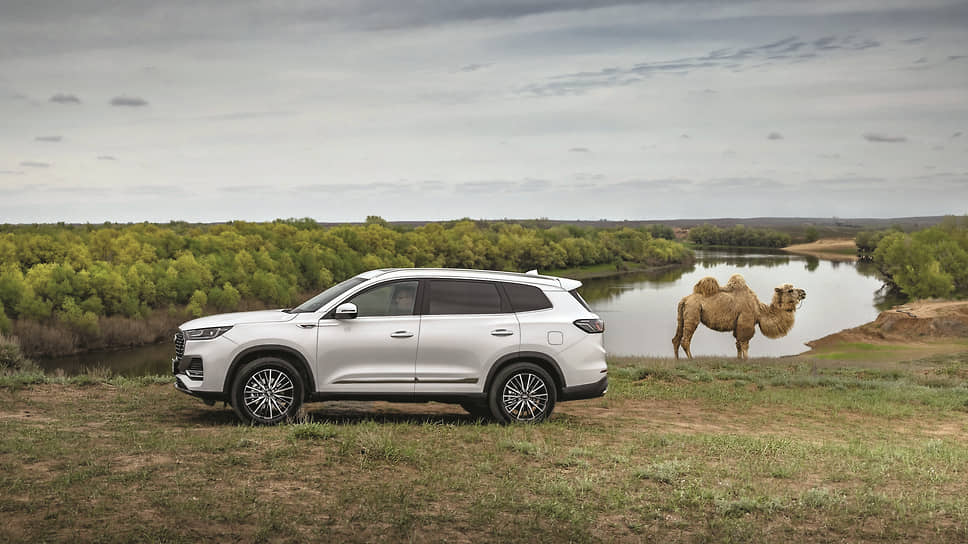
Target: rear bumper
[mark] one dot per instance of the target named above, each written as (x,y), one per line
(587,391)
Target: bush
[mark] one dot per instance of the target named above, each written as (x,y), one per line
(11,358)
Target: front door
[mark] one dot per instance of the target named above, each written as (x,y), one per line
(376,351)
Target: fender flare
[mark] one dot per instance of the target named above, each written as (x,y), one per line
(533,356)
(293,355)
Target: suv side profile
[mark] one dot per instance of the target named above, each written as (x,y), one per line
(502,345)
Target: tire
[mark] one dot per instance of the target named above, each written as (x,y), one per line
(479,410)
(267,391)
(522,393)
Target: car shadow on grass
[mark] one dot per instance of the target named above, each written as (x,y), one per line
(355,412)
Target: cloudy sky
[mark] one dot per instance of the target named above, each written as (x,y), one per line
(205,110)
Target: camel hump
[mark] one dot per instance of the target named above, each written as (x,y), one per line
(736,281)
(707,286)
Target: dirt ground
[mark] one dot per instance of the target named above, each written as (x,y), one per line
(827,248)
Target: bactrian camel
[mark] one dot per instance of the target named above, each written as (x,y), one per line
(735,308)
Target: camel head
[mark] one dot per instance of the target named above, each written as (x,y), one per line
(786,297)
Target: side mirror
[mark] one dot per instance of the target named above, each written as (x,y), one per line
(347,310)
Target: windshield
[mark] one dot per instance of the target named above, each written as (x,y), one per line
(328,295)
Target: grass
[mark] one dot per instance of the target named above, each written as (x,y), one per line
(769,450)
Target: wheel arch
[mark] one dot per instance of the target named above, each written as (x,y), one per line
(272,350)
(543,360)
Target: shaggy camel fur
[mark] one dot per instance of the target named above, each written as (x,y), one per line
(735,308)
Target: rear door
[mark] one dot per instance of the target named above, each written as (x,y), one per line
(466,326)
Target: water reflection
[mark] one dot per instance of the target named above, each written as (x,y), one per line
(640,309)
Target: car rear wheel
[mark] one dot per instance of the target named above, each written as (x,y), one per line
(267,391)
(522,393)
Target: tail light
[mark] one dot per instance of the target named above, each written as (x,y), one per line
(591,326)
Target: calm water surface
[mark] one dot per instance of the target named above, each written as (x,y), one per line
(640,309)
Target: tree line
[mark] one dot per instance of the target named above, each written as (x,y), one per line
(929,263)
(738,236)
(75,274)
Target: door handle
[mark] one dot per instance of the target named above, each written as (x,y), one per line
(501,332)
(401,334)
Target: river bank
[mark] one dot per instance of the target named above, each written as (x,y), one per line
(914,330)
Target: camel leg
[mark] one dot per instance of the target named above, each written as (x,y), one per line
(690,322)
(745,329)
(677,339)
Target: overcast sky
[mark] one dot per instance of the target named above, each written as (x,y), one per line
(203,110)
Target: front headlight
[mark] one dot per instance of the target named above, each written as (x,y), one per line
(206,334)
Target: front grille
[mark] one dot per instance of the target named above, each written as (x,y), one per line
(179,345)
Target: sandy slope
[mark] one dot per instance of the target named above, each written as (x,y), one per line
(827,248)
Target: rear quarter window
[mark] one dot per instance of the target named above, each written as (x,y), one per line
(574,293)
(526,298)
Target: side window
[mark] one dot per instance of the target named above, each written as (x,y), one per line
(525,298)
(391,299)
(448,297)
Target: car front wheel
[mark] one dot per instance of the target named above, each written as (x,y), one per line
(522,393)
(267,391)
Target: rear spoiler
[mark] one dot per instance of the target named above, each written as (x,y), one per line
(565,283)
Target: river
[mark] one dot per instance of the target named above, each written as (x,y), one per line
(640,309)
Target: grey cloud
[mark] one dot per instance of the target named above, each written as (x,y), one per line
(484,187)
(474,67)
(106,158)
(790,49)
(584,176)
(652,185)
(956,134)
(11,172)
(431,185)
(62,98)
(913,41)
(48,138)
(744,184)
(580,150)
(246,189)
(685,136)
(774,136)
(846,183)
(344,187)
(534,185)
(243,115)
(87,191)
(829,155)
(957,57)
(921,60)
(128,101)
(152,190)
(35,164)
(883,138)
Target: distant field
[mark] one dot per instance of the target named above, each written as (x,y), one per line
(773,450)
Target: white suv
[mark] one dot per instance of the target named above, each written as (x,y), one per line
(500,344)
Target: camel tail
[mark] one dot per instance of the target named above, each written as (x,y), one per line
(677,339)
(707,286)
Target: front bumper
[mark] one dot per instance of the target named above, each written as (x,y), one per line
(210,397)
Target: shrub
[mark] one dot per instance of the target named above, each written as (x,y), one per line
(11,358)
